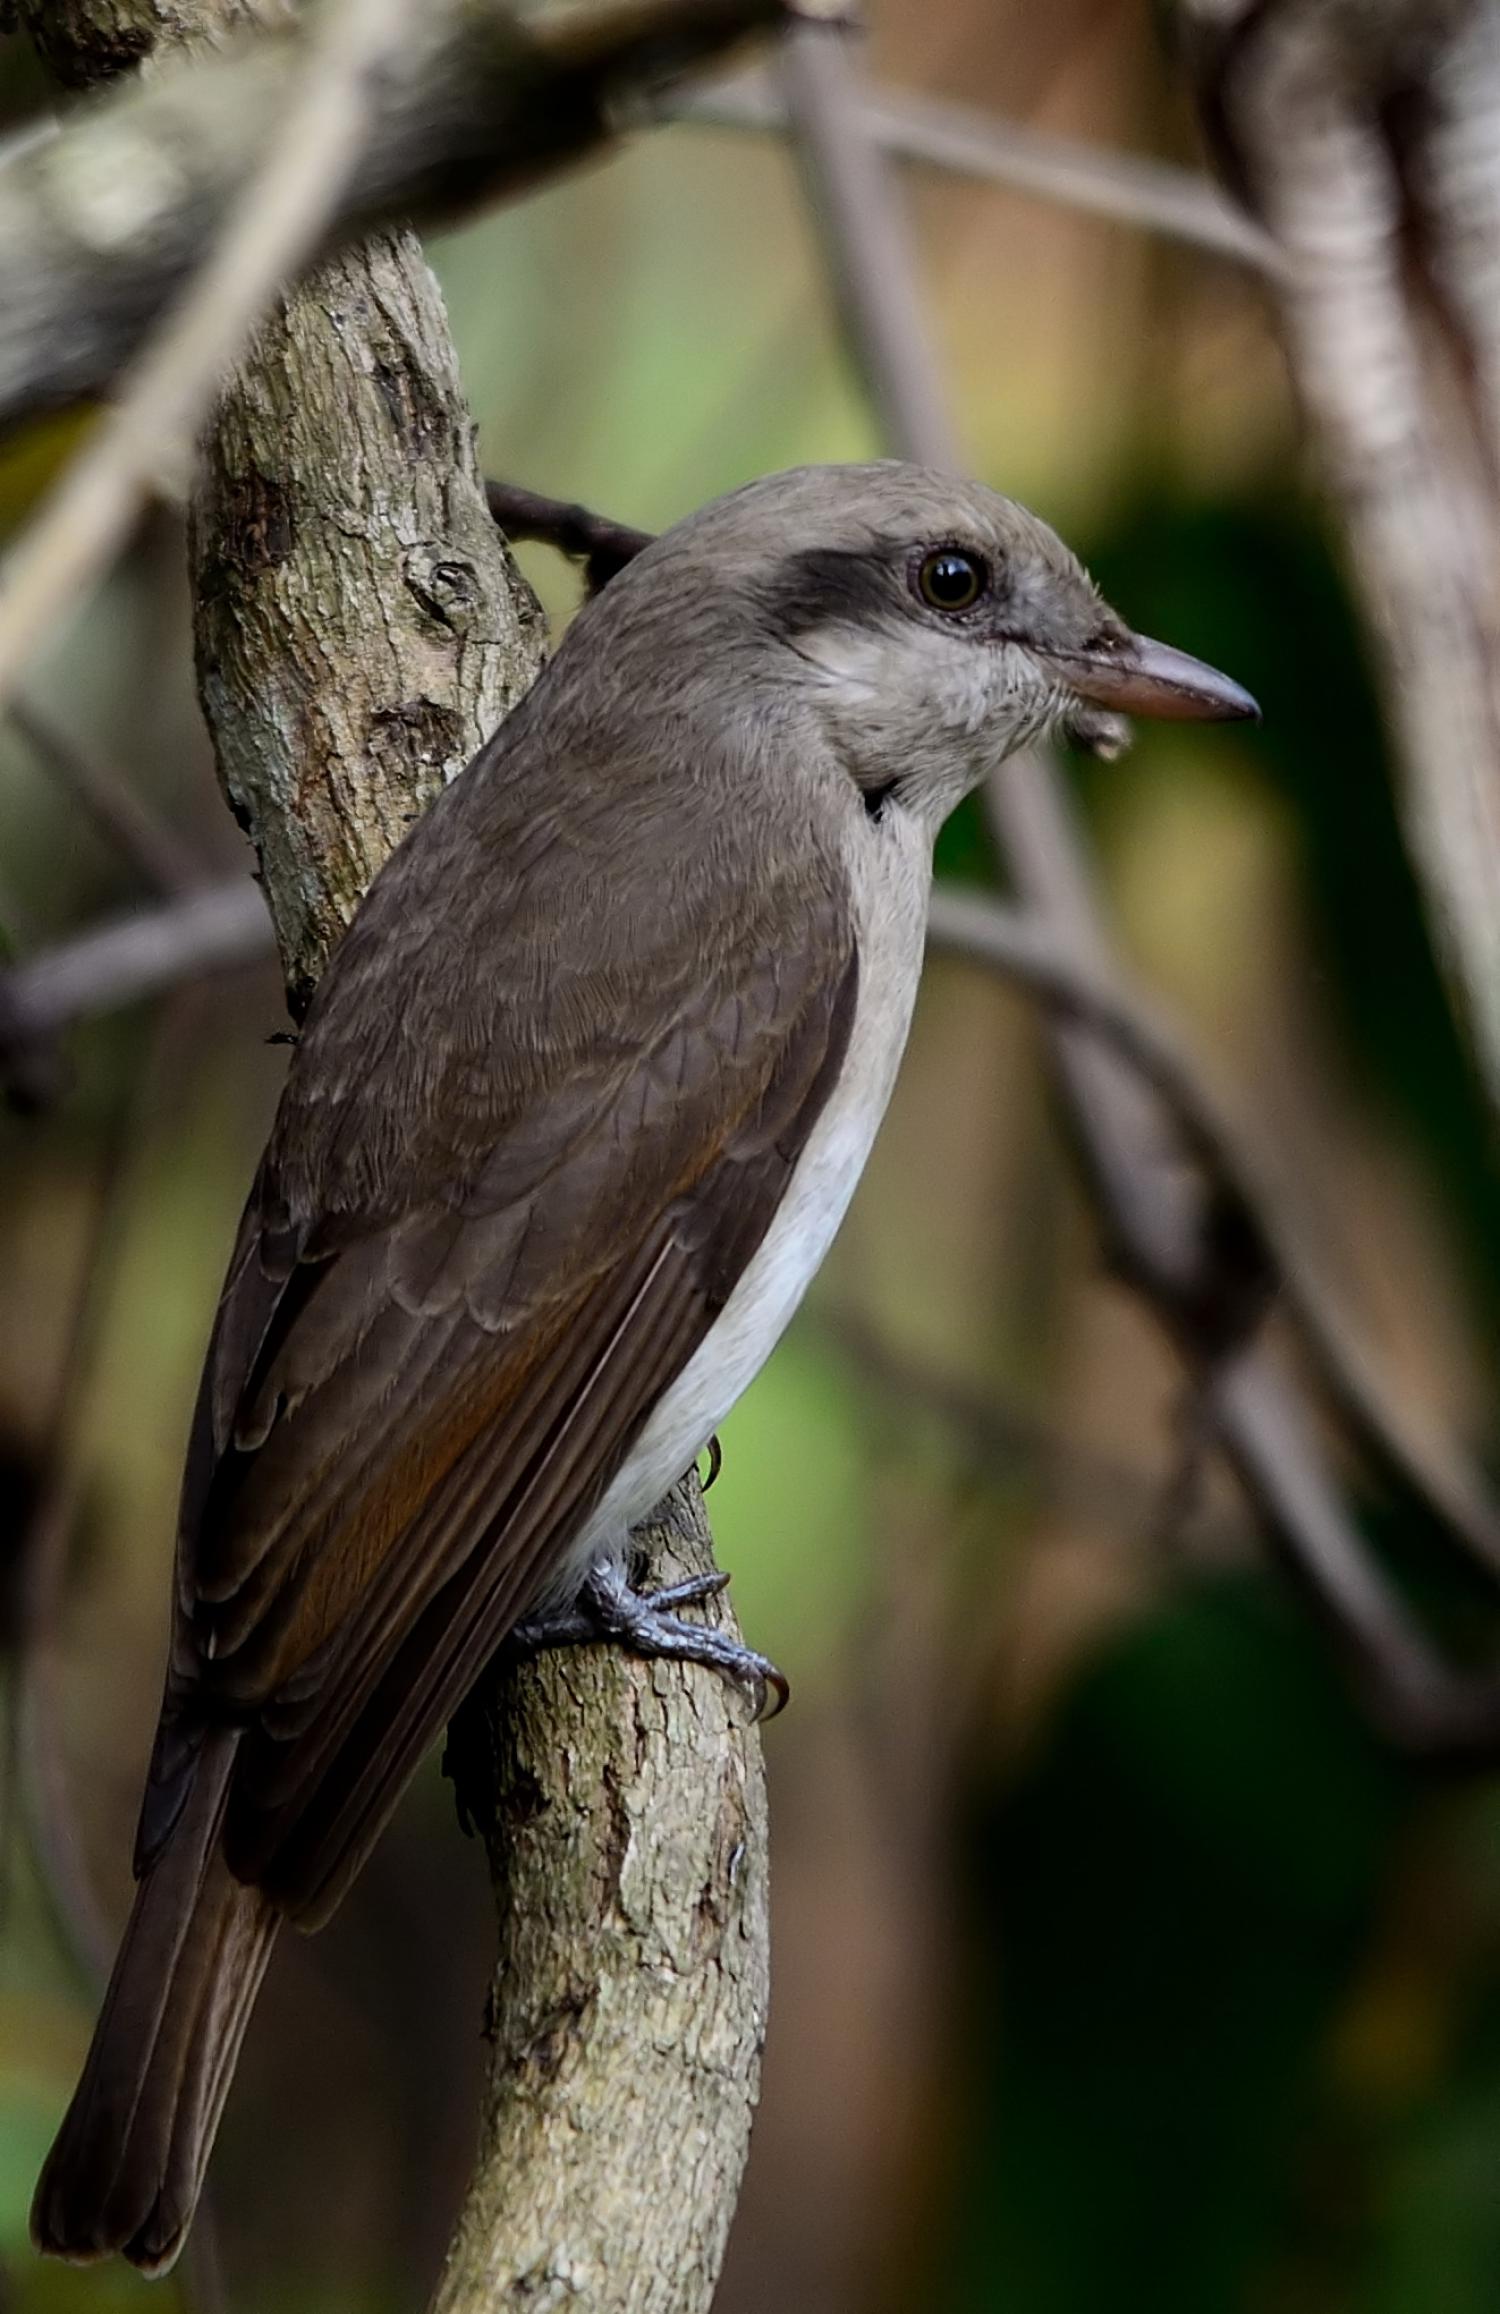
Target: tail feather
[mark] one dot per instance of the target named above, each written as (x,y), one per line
(127,2166)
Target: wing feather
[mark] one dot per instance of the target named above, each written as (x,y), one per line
(436,1348)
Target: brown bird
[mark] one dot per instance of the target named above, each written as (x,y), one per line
(578,1107)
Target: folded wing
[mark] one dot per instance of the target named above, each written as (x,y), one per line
(416,1396)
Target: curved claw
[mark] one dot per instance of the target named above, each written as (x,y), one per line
(607,1608)
(780,1687)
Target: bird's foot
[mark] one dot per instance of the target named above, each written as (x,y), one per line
(646,1622)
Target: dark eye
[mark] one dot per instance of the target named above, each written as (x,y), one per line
(948,579)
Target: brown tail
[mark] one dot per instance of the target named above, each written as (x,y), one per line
(127,2167)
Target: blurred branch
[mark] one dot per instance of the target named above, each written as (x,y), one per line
(115,964)
(44,1783)
(1126,188)
(102,225)
(867,247)
(998,1438)
(1366,134)
(277,219)
(1251,1210)
(151,845)
(1161,1230)
(360,631)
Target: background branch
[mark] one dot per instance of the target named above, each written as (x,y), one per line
(961,140)
(1366,138)
(150,844)
(276,220)
(116,963)
(102,225)
(1158,1225)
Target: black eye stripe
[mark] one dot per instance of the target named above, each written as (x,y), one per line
(951,579)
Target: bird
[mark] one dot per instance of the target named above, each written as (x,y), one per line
(576,1110)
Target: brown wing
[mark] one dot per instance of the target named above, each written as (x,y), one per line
(428,1366)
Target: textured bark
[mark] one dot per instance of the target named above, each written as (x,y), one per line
(86,41)
(1367,135)
(359,625)
(102,224)
(360,628)
(624,1812)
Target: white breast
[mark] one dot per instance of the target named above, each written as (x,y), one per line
(892,871)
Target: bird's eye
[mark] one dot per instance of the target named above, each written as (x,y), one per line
(950,580)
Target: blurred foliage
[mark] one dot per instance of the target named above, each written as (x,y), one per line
(1116,1964)
(1252,581)
(1185,1888)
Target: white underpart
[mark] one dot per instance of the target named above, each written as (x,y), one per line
(890,871)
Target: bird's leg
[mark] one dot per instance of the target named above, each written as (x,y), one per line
(608,1608)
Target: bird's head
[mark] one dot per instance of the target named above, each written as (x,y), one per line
(933,626)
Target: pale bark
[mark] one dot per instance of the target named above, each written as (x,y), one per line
(360,629)
(101,224)
(1367,135)
(625,1817)
(359,625)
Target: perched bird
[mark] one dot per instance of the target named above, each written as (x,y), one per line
(578,1107)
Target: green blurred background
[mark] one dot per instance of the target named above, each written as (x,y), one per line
(1117,1967)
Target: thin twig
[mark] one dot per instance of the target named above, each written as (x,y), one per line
(149,843)
(603,547)
(116,964)
(278,219)
(103,225)
(996,1438)
(1023,949)
(36,1732)
(866,245)
(1125,188)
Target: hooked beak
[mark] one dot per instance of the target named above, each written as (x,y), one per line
(1135,676)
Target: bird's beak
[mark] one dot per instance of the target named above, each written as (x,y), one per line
(1135,676)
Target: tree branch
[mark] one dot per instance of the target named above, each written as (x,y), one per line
(1123,188)
(625,1816)
(360,630)
(329,118)
(1250,1207)
(116,963)
(151,845)
(102,225)
(1366,136)
(277,218)
(602,546)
